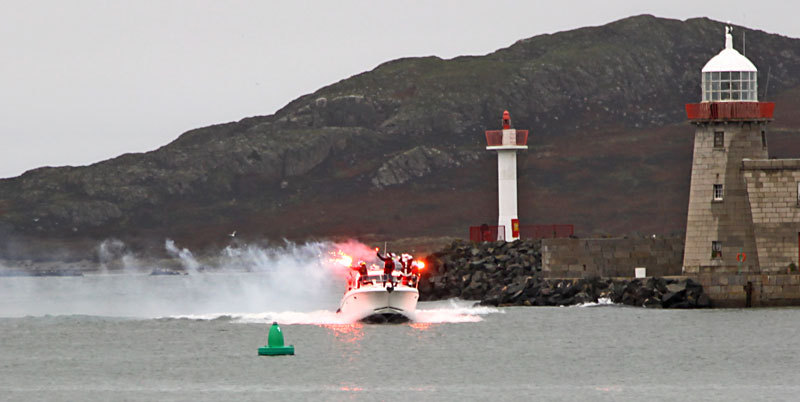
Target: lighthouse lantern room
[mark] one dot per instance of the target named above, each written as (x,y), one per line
(729,76)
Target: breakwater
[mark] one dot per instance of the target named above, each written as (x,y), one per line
(612,257)
(506,274)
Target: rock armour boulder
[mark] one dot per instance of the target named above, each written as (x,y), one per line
(509,274)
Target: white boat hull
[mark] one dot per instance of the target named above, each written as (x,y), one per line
(378,304)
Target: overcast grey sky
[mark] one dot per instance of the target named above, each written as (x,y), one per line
(83,81)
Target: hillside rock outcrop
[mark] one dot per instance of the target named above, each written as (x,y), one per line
(416,162)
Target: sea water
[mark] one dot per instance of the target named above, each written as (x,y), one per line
(129,337)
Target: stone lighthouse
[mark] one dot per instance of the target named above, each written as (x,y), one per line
(730,130)
(507,142)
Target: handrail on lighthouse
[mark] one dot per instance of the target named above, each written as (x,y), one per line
(495,138)
(730,111)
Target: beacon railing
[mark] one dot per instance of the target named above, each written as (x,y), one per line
(496,138)
(730,110)
(546,231)
(483,233)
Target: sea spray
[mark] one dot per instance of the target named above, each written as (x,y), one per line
(602,301)
(131,264)
(244,279)
(109,251)
(452,311)
(186,257)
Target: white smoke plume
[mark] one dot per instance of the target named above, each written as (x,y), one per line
(114,256)
(108,251)
(244,279)
(186,257)
(291,283)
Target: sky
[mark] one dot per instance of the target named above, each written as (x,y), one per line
(86,80)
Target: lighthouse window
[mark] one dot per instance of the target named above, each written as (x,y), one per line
(719,139)
(716,249)
(718,192)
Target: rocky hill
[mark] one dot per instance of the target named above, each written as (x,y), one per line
(399,151)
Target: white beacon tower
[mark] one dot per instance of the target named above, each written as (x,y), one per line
(507,142)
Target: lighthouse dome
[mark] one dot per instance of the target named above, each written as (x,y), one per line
(729,60)
(729,76)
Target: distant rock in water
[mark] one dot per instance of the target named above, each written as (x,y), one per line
(48,272)
(165,271)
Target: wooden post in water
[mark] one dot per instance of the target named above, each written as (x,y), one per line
(748,289)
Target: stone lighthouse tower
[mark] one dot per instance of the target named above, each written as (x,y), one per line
(730,126)
(506,142)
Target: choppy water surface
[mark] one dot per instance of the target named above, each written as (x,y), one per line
(197,339)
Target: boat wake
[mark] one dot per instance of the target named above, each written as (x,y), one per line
(453,311)
(449,311)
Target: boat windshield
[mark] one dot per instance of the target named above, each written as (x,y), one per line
(371,278)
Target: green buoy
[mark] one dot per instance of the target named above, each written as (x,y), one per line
(275,345)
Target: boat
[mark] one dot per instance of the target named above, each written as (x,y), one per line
(370,299)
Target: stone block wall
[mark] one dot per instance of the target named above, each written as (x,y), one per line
(772,188)
(730,290)
(615,257)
